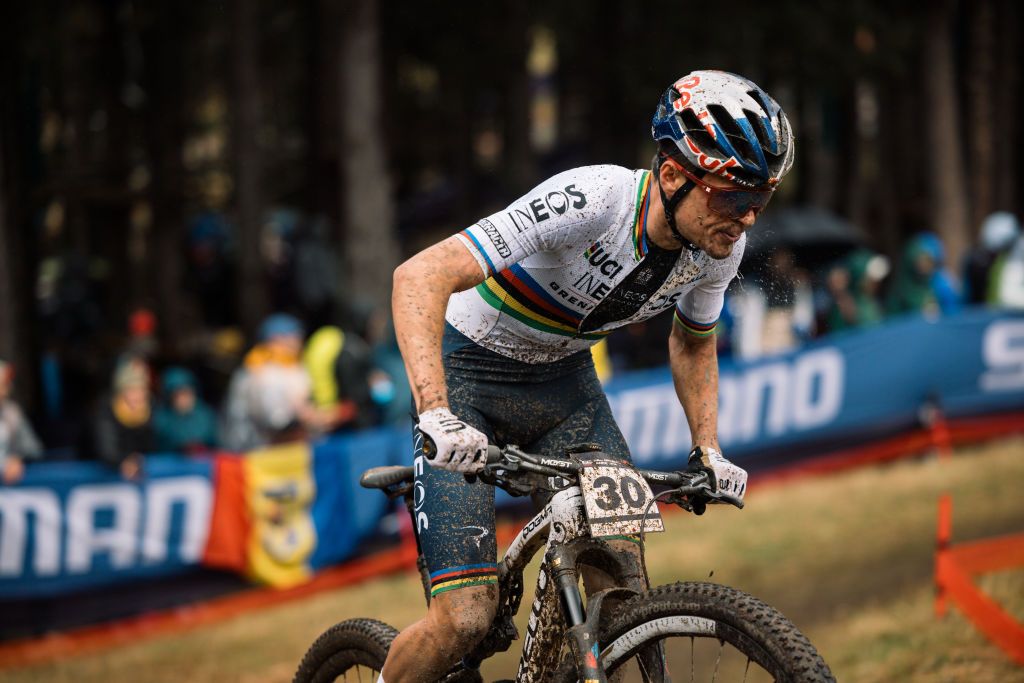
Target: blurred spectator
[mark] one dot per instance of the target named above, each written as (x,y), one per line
(277,246)
(389,385)
(121,431)
(269,397)
(18,442)
(775,312)
(339,367)
(998,233)
(68,295)
(142,333)
(210,273)
(316,273)
(922,284)
(853,285)
(183,423)
(1008,277)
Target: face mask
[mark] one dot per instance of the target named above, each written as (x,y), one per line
(382,391)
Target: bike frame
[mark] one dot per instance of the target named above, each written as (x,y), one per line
(561,529)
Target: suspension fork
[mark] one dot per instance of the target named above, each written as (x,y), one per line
(583,629)
(582,639)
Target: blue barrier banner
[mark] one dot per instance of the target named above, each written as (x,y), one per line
(344,513)
(72,526)
(843,389)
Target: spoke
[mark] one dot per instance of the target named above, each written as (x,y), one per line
(644,673)
(691,659)
(746,671)
(718,660)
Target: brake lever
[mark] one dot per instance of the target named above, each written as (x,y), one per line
(717,498)
(490,474)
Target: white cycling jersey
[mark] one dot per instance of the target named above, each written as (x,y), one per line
(553,257)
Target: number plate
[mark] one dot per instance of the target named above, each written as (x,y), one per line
(616,498)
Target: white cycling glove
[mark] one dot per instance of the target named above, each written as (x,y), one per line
(729,479)
(460,447)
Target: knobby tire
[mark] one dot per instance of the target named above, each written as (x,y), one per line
(343,648)
(752,627)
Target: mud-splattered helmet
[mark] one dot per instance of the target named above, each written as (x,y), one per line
(724,124)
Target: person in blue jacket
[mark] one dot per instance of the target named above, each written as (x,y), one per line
(184,423)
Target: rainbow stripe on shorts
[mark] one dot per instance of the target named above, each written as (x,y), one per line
(463,577)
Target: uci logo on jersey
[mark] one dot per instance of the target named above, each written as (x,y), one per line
(540,209)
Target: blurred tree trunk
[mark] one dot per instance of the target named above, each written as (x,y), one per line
(167,136)
(322,28)
(461,141)
(947,181)
(367,199)
(252,285)
(981,88)
(893,186)
(9,327)
(8,298)
(817,157)
(1008,103)
(518,151)
(858,194)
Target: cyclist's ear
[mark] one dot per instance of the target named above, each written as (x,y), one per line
(670,177)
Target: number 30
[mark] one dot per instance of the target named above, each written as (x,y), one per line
(631,490)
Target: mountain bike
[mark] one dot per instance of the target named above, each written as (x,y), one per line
(626,633)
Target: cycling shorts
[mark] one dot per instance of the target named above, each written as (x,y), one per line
(542,408)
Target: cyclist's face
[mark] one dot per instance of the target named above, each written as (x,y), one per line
(712,233)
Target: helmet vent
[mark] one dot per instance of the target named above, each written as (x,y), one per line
(695,131)
(757,123)
(732,130)
(759,97)
(690,120)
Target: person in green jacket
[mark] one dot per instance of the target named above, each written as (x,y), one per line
(853,284)
(184,423)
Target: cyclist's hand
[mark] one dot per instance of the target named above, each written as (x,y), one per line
(728,479)
(459,447)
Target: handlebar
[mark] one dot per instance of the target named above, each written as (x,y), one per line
(510,469)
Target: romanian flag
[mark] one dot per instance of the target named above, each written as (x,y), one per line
(280,491)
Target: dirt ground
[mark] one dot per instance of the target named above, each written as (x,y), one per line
(847,557)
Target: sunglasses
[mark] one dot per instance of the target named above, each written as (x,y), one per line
(730,202)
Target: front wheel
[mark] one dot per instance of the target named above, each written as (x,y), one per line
(709,632)
(353,650)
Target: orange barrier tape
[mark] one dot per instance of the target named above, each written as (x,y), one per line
(954,566)
(945,532)
(991,555)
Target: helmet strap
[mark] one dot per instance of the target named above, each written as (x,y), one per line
(669,204)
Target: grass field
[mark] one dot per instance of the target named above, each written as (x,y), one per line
(847,557)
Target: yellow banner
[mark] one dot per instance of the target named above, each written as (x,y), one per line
(280,492)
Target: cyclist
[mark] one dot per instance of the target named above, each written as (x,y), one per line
(495,323)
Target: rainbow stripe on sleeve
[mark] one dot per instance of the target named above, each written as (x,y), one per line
(463,577)
(643,202)
(693,327)
(514,292)
(479,247)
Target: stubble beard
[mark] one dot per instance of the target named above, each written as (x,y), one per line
(714,246)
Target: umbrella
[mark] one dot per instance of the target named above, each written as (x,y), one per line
(813,234)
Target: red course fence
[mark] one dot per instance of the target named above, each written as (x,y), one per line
(955,567)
